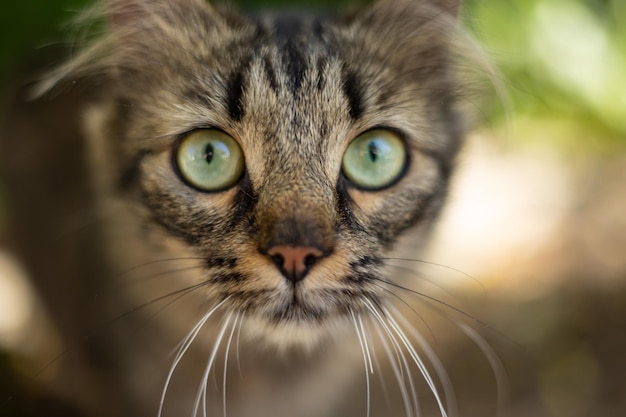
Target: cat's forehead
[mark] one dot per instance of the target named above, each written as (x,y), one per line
(282,77)
(282,71)
(294,63)
(288,79)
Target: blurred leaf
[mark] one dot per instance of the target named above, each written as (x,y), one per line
(25,27)
(560,59)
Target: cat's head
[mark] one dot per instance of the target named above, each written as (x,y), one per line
(286,152)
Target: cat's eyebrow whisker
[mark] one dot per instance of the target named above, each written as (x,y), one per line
(365,352)
(182,349)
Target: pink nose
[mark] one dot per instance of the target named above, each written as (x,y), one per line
(294,261)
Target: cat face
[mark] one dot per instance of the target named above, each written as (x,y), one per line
(287,153)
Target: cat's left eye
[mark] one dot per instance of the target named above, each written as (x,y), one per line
(375,159)
(209,160)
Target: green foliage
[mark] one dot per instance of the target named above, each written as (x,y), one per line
(27,26)
(562,60)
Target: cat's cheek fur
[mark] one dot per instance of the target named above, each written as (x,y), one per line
(407,202)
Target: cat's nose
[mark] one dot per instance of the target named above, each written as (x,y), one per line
(294,262)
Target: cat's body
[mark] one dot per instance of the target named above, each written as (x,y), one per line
(289,256)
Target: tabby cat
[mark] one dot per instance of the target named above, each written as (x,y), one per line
(255,173)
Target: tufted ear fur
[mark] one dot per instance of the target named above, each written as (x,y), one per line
(419,35)
(446,8)
(409,13)
(142,31)
(121,13)
(450,6)
(135,35)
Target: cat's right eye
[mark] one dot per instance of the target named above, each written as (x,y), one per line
(209,160)
(375,159)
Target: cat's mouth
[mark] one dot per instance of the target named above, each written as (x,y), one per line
(295,319)
(307,303)
(295,308)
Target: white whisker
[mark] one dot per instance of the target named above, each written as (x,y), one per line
(418,361)
(237,343)
(230,339)
(440,369)
(376,364)
(182,349)
(202,390)
(394,360)
(410,410)
(497,367)
(367,350)
(362,342)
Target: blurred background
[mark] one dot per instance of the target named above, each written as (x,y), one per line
(534,235)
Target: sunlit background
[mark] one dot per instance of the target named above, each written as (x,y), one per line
(534,237)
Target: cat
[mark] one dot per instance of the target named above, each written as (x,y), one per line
(255,174)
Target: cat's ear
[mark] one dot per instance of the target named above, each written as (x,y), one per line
(418,38)
(408,23)
(137,32)
(405,15)
(450,7)
(446,8)
(122,13)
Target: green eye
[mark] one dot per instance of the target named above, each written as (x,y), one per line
(375,159)
(209,160)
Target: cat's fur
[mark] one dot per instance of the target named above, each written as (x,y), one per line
(293,90)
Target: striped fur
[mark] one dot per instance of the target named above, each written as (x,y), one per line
(293,90)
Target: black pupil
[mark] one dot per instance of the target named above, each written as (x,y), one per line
(374,151)
(208,153)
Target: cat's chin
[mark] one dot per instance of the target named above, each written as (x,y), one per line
(308,336)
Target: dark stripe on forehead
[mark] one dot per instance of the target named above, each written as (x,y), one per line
(287,32)
(318,29)
(235,86)
(321,73)
(270,73)
(296,65)
(353,91)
